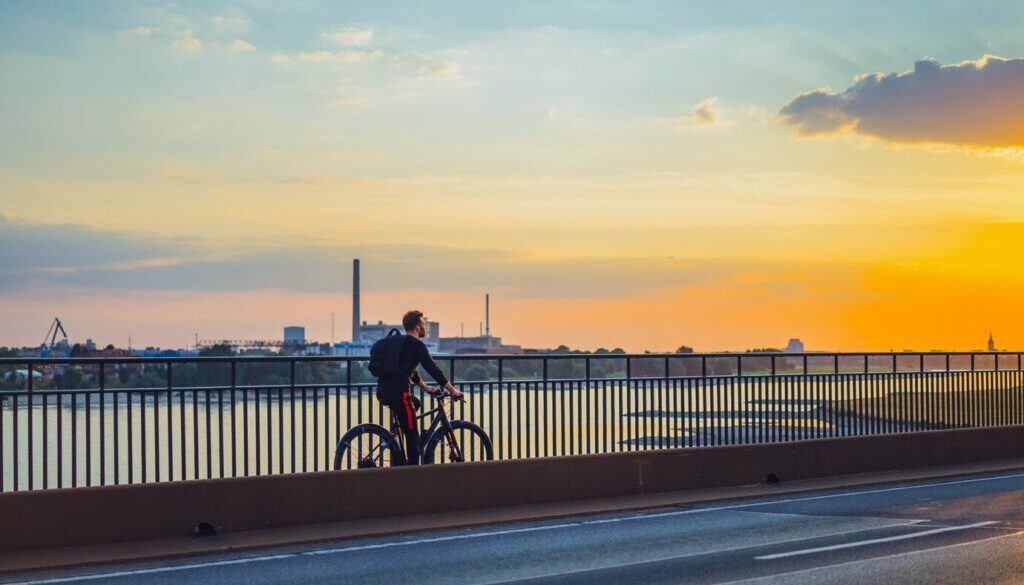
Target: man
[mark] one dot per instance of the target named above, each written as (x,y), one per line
(395,392)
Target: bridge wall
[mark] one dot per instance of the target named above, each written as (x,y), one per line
(80,516)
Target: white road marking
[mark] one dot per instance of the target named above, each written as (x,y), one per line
(858,543)
(703,553)
(831,568)
(792,500)
(330,551)
(256,559)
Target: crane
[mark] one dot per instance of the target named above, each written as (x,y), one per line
(50,341)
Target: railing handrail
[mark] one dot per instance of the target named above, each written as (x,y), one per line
(490,357)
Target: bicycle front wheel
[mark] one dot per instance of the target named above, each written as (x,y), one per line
(467,442)
(367,446)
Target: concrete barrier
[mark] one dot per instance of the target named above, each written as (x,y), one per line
(80,516)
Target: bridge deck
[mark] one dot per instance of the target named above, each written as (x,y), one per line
(799,528)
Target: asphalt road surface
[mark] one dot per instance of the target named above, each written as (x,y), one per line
(963,530)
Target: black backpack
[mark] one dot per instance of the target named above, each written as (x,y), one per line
(384,355)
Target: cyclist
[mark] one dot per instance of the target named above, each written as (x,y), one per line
(394,391)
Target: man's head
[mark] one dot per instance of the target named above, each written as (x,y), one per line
(415,323)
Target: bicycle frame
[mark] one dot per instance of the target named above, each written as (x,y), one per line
(442,420)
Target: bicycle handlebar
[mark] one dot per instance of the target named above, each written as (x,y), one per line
(443,393)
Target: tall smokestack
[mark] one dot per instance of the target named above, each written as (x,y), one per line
(355,300)
(487,313)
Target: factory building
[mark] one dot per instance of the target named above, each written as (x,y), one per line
(485,343)
(364,333)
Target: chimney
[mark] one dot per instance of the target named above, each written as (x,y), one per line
(355,300)
(487,314)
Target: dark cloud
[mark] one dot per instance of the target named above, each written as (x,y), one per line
(974,103)
(33,253)
(41,257)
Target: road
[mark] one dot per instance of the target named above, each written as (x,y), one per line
(962,530)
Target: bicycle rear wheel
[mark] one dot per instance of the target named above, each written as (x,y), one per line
(472,444)
(367,446)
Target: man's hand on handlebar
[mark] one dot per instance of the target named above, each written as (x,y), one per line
(456,395)
(448,390)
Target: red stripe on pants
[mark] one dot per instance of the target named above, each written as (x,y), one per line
(408,409)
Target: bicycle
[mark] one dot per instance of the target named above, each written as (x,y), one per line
(370,445)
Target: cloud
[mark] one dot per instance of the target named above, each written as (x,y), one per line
(35,254)
(229,21)
(973,103)
(444,69)
(348,37)
(240,46)
(142,31)
(315,56)
(705,114)
(65,258)
(280,57)
(339,56)
(188,44)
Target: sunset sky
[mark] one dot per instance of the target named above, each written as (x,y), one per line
(619,174)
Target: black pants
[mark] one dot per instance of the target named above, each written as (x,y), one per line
(404,408)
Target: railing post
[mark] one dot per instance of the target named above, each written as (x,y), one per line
(773,365)
(234,443)
(103,434)
(739,365)
(291,408)
(170,426)
(866,366)
(28,411)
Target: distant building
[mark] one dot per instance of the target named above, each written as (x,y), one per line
(482,344)
(348,349)
(318,349)
(90,345)
(795,346)
(294,335)
(991,342)
(370,332)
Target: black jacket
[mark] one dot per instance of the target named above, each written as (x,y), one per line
(414,354)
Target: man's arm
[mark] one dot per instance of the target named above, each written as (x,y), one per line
(416,379)
(435,372)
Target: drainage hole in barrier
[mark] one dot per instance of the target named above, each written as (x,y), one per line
(204,529)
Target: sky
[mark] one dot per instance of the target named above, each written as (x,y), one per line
(724,175)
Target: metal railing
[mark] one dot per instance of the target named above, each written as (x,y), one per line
(101,421)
